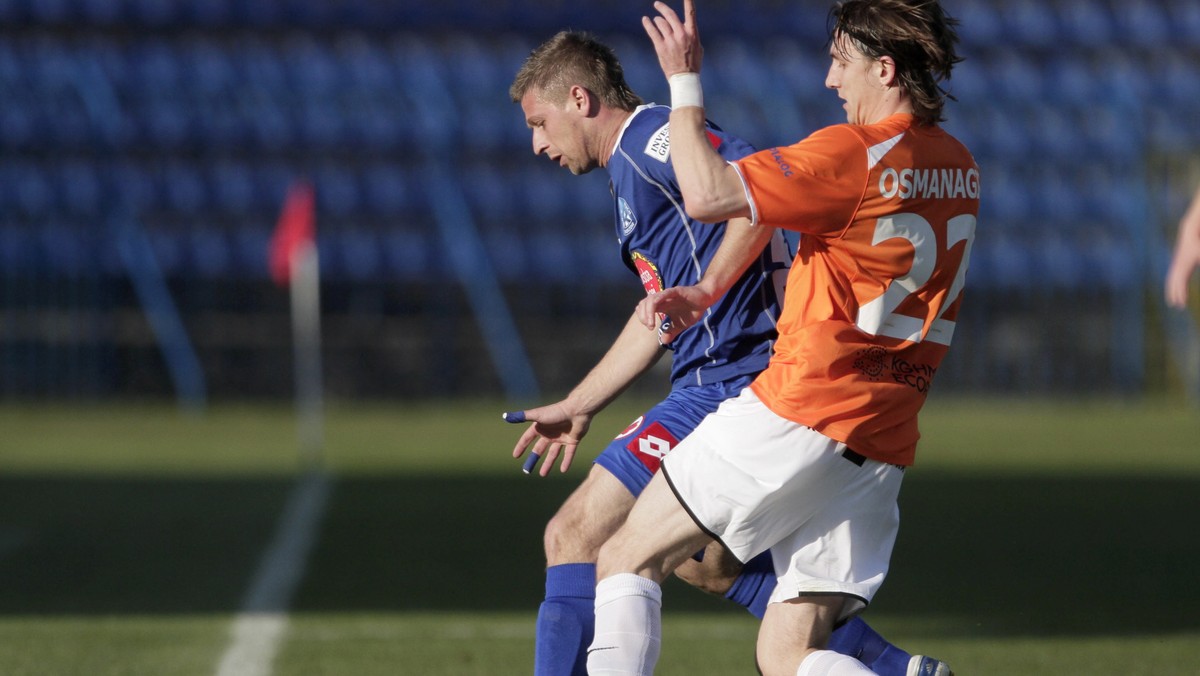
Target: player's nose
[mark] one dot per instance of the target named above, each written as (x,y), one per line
(539,144)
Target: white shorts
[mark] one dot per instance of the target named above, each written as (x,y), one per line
(757,481)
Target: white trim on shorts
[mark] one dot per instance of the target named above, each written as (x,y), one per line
(756,481)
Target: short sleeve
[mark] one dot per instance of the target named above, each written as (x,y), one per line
(814,186)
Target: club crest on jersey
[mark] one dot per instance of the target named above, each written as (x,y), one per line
(659,145)
(648,273)
(632,427)
(651,445)
(628,220)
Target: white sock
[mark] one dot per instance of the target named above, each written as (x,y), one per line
(628,628)
(829,663)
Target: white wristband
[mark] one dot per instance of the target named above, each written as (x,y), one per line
(686,90)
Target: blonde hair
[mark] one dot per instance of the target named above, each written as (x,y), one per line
(574,58)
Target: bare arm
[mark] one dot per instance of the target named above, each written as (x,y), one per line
(740,246)
(712,191)
(559,427)
(1186,257)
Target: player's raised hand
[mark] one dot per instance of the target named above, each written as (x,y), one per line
(673,310)
(554,432)
(676,42)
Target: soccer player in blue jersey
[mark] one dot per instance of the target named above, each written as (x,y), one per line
(582,116)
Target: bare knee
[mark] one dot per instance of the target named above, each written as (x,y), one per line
(715,574)
(588,517)
(572,538)
(792,630)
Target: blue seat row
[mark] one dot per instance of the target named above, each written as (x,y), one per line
(1047,259)
(387,95)
(1019,23)
(535,257)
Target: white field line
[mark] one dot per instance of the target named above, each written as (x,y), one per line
(262,623)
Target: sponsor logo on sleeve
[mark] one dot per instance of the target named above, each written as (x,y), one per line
(648,273)
(659,146)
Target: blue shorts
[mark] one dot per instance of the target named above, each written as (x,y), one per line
(634,456)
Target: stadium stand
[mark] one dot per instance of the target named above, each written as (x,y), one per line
(193,117)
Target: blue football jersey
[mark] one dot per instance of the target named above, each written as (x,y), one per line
(666,248)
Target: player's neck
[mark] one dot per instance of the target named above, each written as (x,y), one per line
(888,106)
(611,124)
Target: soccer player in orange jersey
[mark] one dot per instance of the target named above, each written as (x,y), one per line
(807,462)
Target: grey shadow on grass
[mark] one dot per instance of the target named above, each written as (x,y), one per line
(1003,556)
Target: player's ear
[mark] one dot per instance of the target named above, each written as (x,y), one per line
(887,70)
(582,100)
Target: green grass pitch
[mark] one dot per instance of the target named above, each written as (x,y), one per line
(1036,538)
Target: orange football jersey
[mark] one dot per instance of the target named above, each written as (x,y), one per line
(887,216)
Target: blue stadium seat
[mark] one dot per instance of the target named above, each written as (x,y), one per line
(336,189)
(1054,196)
(1017,76)
(1085,23)
(545,194)
(1070,80)
(1142,23)
(493,195)
(79,188)
(1111,261)
(1055,133)
(68,250)
(231,186)
(155,66)
(20,126)
(969,83)
(1008,266)
(387,192)
(184,189)
(166,124)
(363,65)
(359,251)
(513,259)
(1060,262)
(31,190)
(980,25)
(1005,130)
(407,255)
(1176,76)
(170,251)
(210,67)
(640,65)
(309,68)
(1029,22)
(1006,198)
(17,249)
(248,251)
(1184,22)
(551,257)
(1109,134)
(130,185)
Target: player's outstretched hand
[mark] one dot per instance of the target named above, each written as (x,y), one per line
(676,42)
(554,432)
(673,310)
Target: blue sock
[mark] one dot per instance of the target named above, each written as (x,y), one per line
(753,587)
(566,620)
(857,639)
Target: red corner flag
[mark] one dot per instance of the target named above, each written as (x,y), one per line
(294,230)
